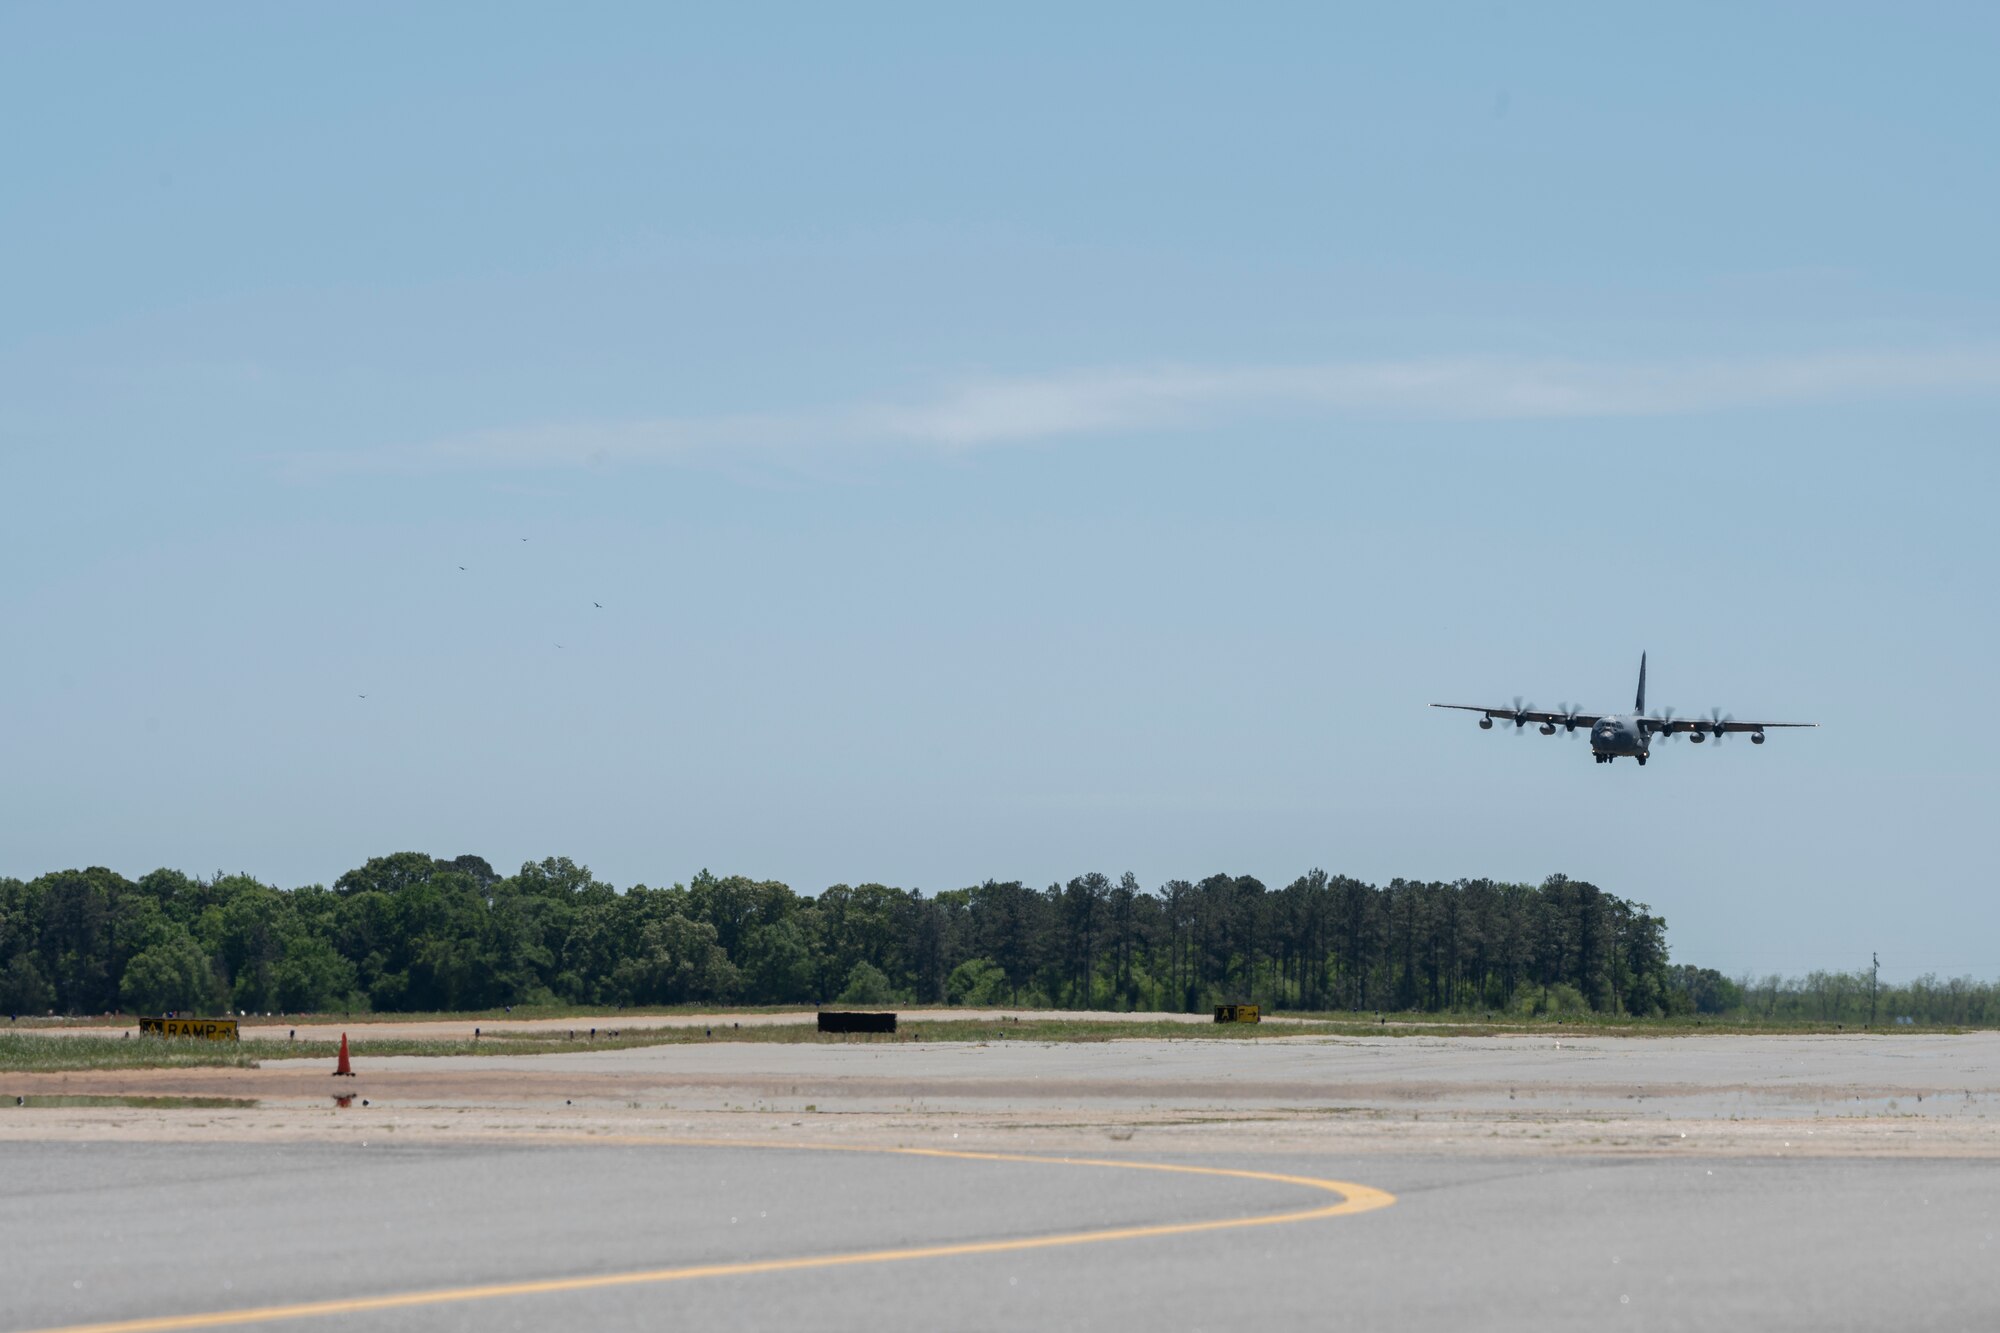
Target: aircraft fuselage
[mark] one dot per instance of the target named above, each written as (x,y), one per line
(1618,735)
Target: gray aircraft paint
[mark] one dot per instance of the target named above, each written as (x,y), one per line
(1629,734)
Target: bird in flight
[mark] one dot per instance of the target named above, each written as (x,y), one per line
(461,566)
(598,605)
(361,696)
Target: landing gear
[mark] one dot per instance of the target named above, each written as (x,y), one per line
(1642,760)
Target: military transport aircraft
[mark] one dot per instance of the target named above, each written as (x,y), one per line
(1624,733)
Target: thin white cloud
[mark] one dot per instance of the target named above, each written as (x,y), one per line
(993,412)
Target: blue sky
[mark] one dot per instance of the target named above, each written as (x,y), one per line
(1009,445)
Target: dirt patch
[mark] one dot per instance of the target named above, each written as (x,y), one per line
(1338,1131)
(1730,1096)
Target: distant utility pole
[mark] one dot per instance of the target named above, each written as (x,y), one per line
(1874,969)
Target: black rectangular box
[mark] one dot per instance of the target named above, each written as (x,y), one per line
(840,1020)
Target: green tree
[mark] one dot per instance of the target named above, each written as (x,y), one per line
(778,963)
(249,939)
(174,974)
(77,947)
(388,874)
(977,982)
(866,984)
(312,976)
(677,961)
(23,988)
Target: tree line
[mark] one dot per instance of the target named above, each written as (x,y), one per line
(412,932)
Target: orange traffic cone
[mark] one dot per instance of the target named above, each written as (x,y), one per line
(344,1067)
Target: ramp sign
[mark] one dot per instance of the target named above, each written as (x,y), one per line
(211,1029)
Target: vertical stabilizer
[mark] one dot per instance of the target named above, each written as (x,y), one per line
(1639,705)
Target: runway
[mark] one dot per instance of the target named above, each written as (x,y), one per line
(1412,1183)
(109,1232)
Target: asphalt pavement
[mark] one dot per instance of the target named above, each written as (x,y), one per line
(95,1232)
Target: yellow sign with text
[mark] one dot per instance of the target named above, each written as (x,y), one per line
(1237,1013)
(208,1029)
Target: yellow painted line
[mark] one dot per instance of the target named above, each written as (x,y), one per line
(1353,1199)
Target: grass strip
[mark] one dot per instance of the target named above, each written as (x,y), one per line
(21,1052)
(28,1052)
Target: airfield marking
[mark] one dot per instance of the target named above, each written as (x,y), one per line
(1353,1199)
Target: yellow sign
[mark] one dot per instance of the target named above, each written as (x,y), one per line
(1236,1013)
(214,1029)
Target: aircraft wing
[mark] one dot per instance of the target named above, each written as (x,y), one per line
(1709,727)
(1528,715)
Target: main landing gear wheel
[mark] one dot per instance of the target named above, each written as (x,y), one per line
(1642,761)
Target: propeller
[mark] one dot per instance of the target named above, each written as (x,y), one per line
(1717,719)
(1569,712)
(1665,718)
(1521,712)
